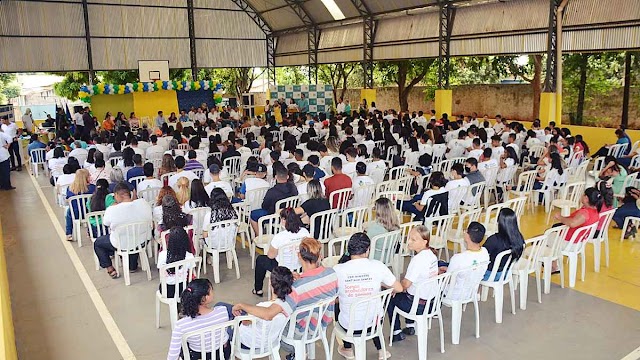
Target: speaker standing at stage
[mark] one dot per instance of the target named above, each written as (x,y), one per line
(5,168)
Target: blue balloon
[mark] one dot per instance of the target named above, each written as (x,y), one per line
(165,85)
(145,86)
(126,90)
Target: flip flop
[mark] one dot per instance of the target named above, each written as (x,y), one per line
(113,273)
(258,293)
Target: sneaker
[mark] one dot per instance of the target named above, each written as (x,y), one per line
(382,355)
(290,356)
(409,331)
(346,353)
(399,337)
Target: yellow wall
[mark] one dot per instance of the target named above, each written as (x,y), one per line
(369,94)
(596,137)
(100,104)
(8,343)
(149,103)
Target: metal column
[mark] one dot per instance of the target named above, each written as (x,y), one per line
(192,41)
(552,55)
(87,32)
(368,38)
(447,15)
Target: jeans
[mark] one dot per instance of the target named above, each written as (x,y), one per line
(258,213)
(5,175)
(348,345)
(624,161)
(402,301)
(263,264)
(14,151)
(68,222)
(624,211)
(408,206)
(104,250)
(488,273)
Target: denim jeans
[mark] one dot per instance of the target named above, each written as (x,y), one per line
(68,222)
(104,250)
(402,301)
(624,211)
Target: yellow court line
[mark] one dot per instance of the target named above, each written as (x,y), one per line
(8,339)
(98,302)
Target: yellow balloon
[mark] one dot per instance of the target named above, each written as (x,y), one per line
(101,86)
(196,86)
(121,90)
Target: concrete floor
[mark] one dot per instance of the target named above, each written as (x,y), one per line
(55,317)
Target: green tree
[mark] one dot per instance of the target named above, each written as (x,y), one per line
(338,76)
(292,75)
(406,74)
(8,88)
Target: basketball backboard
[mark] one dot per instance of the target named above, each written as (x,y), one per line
(152,70)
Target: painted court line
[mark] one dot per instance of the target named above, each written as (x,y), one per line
(634,355)
(101,307)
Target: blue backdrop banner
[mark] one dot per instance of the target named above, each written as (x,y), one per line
(187,99)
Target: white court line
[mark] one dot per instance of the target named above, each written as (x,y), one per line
(634,355)
(105,315)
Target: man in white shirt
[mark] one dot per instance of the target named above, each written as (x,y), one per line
(474,255)
(496,149)
(126,211)
(5,166)
(154,148)
(360,183)
(79,120)
(214,170)
(424,147)
(511,142)
(180,164)
(101,147)
(457,147)
(498,127)
(136,149)
(200,117)
(349,167)
(340,107)
(422,121)
(325,159)
(213,115)
(79,153)
(234,114)
(149,182)
(476,151)
(487,161)
(11,130)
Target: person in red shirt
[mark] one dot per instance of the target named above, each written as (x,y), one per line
(338,181)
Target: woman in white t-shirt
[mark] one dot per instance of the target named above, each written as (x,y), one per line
(178,249)
(283,246)
(358,277)
(423,266)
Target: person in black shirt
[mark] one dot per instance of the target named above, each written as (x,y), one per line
(232,150)
(281,190)
(508,237)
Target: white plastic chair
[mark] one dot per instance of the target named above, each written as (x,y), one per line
(232,164)
(574,247)
(268,226)
(523,187)
(551,252)
(321,224)
(376,305)
(198,218)
(568,199)
(398,172)
(183,272)
(351,221)
(101,230)
(439,227)
(259,349)
(290,202)
(576,159)
(517,205)
(629,221)
(386,253)
(463,289)
(504,277)
(165,177)
(184,147)
(113,161)
(456,235)
(456,195)
(150,195)
(529,264)
(199,173)
(131,239)
(490,180)
(310,334)
(215,334)
(221,239)
(37,157)
(617,150)
(78,202)
(362,195)
(602,238)
(341,198)
(244,230)
(136,180)
(598,165)
(491,218)
(254,198)
(438,286)
(472,197)
(337,248)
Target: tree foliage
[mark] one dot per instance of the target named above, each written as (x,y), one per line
(338,76)
(8,88)
(405,74)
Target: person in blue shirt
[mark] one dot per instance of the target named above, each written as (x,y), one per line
(183,116)
(137,169)
(315,161)
(35,143)
(623,138)
(303,105)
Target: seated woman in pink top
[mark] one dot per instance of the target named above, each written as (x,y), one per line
(588,214)
(606,190)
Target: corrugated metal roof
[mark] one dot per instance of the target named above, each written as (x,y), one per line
(120,21)
(596,11)
(281,19)
(165,3)
(596,39)
(407,27)
(225,24)
(507,16)
(231,53)
(292,43)
(29,54)
(125,53)
(341,36)
(348,55)
(291,60)
(34,19)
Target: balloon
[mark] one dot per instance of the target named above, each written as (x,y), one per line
(145,87)
(95,89)
(135,87)
(121,89)
(116,88)
(90,92)
(174,84)
(126,90)
(155,86)
(179,85)
(196,85)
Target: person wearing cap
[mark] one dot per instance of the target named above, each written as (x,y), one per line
(281,190)
(193,164)
(256,182)
(314,160)
(216,182)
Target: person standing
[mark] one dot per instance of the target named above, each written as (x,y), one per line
(11,130)
(78,119)
(89,123)
(27,120)
(5,168)
(303,105)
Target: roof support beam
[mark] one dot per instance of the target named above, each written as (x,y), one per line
(447,15)
(192,41)
(271,59)
(313,37)
(552,42)
(368,34)
(87,32)
(254,15)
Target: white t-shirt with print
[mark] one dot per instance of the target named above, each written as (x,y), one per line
(360,278)
(148,184)
(181,273)
(288,257)
(250,338)
(475,153)
(224,185)
(463,285)
(423,266)
(359,197)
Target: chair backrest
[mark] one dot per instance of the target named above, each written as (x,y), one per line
(398,172)
(380,145)
(114,160)
(321,224)
(635,161)
(199,173)
(465,282)
(574,174)
(505,176)
(276,135)
(439,227)
(634,147)
(474,194)
(533,248)
(79,203)
(232,164)
(385,186)
(165,177)
(290,202)
(555,238)
(268,225)
(353,217)
(222,235)
(242,211)
(445,166)
(217,155)
(617,150)
(184,147)
(438,154)
(150,195)
(338,246)
(378,174)
(507,268)
(362,195)
(422,181)
(38,156)
(604,222)
(464,220)
(456,195)
(405,229)
(101,229)
(215,335)
(537,151)
(573,192)
(579,239)
(340,197)
(372,309)
(254,197)
(136,180)
(288,255)
(432,291)
(576,159)
(130,237)
(490,176)
(599,164)
(517,205)
(383,247)
(183,272)
(629,181)
(265,336)
(303,323)
(526,180)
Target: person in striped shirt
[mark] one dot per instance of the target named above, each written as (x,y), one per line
(196,303)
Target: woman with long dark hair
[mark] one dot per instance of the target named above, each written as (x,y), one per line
(198,196)
(196,301)
(172,214)
(178,249)
(100,201)
(508,237)
(358,277)
(283,244)
(220,210)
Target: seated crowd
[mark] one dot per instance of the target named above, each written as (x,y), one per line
(154,180)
